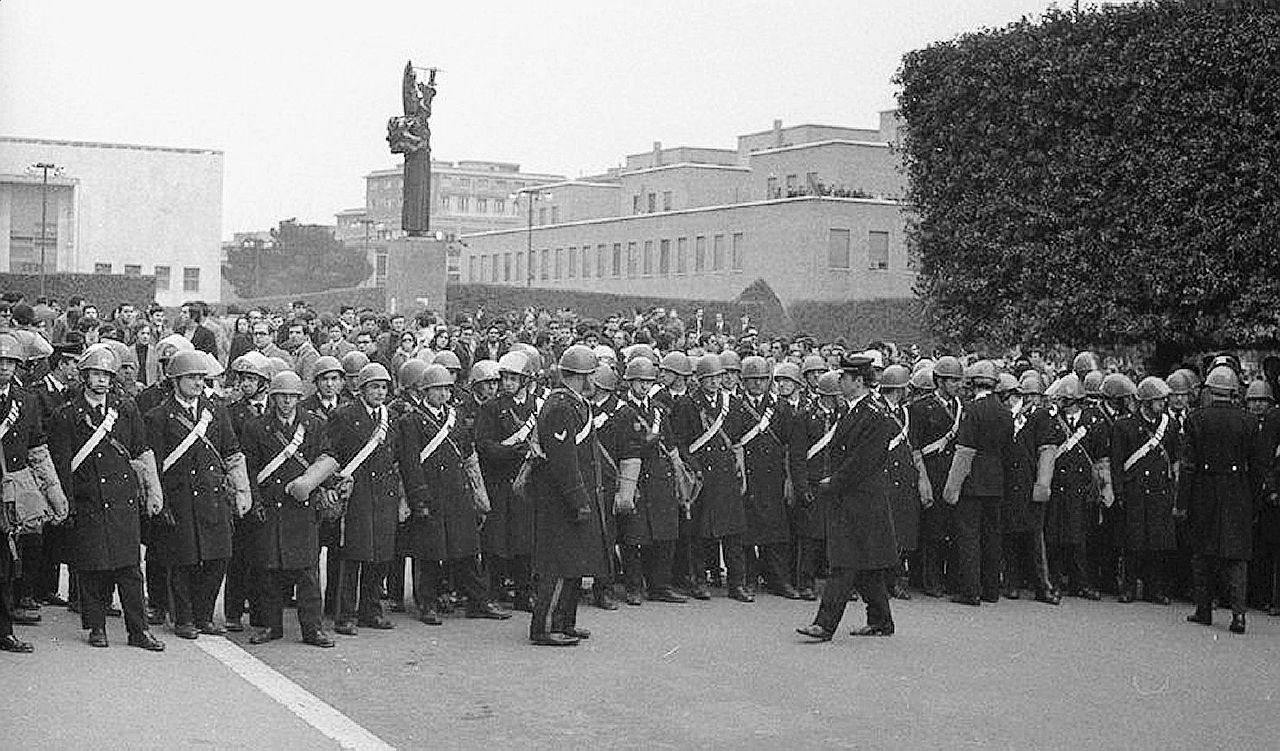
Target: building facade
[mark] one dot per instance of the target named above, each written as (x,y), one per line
(114,209)
(814,211)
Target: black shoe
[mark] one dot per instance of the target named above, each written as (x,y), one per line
(1202,616)
(146,641)
(523,603)
(380,622)
(12,643)
(553,640)
(114,612)
(234,625)
(963,600)
(186,631)
(24,617)
(741,594)
(264,635)
(886,630)
(28,603)
(1049,598)
(396,606)
(666,594)
(603,600)
(491,612)
(73,606)
(816,632)
(53,600)
(574,632)
(1273,610)
(1159,599)
(807,593)
(346,628)
(318,639)
(209,628)
(786,591)
(991,597)
(1126,597)
(155,616)
(98,637)
(431,617)
(634,598)
(934,591)
(291,604)
(1087,594)
(699,592)
(1237,623)
(1011,593)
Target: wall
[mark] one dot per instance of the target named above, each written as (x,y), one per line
(691,186)
(872,168)
(104,290)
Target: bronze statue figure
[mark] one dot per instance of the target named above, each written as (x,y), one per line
(410,135)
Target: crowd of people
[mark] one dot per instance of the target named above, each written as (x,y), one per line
(506,459)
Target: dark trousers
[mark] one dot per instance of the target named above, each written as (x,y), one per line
(1106,530)
(330,535)
(519,569)
(808,557)
(31,553)
(6,588)
(465,572)
(1152,567)
(977,546)
(1068,561)
(46,575)
(157,582)
(195,590)
(734,560)
(844,582)
(96,588)
(648,565)
(243,582)
(767,563)
(687,568)
(395,578)
(307,580)
(1206,568)
(556,606)
(360,588)
(1026,561)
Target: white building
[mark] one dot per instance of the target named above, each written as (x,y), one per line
(114,209)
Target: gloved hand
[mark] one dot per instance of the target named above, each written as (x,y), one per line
(925,488)
(1039,493)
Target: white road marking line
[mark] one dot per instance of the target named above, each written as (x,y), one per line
(306,705)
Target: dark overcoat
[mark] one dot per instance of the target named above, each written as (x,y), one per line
(657,516)
(508,528)
(1032,431)
(718,510)
(1216,487)
(444,521)
(766,430)
(904,481)
(933,427)
(369,526)
(860,531)
(1074,495)
(811,515)
(288,537)
(1145,491)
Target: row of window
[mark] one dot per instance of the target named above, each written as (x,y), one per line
(649,203)
(190,275)
(840,250)
(464,204)
(650,258)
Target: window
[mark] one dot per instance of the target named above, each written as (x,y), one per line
(700,253)
(162,277)
(600,261)
(838,250)
(648,257)
(682,251)
(471,269)
(587,264)
(811,181)
(737,251)
(542,215)
(771,188)
(555,214)
(506,267)
(546,263)
(499,206)
(631,259)
(617,260)
(493,271)
(484,268)
(666,200)
(482,205)
(464,204)
(380,268)
(664,257)
(635,204)
(520,277)
(446,202)
(791,184)
(878,250)
(190,279)
(559,262)
(102,268)
(573,262)
(717,253)
(653,202)
(132,270)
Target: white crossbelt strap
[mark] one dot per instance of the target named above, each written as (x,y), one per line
(101,432)
(9,419)
(822,442)
(197,432)
(1147,447)
(375,440)
(439,437)
(942,442)
(586,431)
(902,434)
(759,428)
(654,389)
(601,419)
(289,450)
(522,433)
(712,429)
(1071,442)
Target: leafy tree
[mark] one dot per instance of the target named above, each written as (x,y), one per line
(1105,177)
(299,258)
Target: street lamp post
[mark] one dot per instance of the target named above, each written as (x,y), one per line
(44,167)
(531,194)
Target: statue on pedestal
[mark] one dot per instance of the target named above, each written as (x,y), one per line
(410,135)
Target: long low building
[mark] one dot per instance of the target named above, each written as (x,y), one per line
(813,211)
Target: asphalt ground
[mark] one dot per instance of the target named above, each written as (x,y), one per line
(708,675)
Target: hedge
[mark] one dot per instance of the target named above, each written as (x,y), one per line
(897,320)
(103,290)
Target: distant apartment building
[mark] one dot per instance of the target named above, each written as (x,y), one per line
(112,208)
(815,211)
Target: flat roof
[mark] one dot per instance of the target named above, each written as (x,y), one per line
(105,145)
(816,144)
(575,183)
(785,128)
(435,170)
(697,210)
(684,165)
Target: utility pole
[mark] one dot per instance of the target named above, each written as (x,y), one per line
(44,167)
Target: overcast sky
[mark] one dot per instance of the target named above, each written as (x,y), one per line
(297,94)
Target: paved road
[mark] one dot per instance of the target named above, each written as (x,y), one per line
(708,675)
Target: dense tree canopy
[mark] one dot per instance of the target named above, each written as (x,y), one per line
(299,258)
(1103,177)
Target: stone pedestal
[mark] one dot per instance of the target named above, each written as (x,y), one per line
(416,275)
